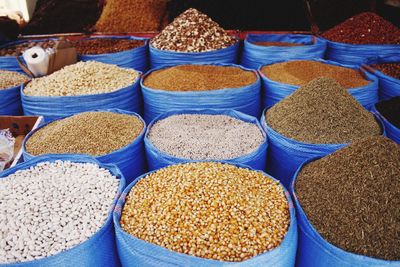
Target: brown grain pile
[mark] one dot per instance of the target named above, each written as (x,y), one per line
(199,78)
(120,16)
(322,112)
(192,31)
(276,44)
(390,69)
(105,45)
(93,133)
(352,197)
(9,79)
(301,72)
(209,210)
(19,49)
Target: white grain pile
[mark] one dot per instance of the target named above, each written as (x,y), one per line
(52,207)
(201,137)
(82,78)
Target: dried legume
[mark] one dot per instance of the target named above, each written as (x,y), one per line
(390,110)
(93,133)
(52,207)
(199,78)
(322,112)
(364,28)
(276,44)
(19,49)
(105,45)
(352,197)
(192,31)
(10,79)
(200,136)
(301,72)
(82,78)
(390,69)
(209,210)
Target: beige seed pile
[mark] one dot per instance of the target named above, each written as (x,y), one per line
(10,79)
(82,78)
(209,210)
(93,133)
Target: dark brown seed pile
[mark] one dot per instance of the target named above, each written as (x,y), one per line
(105,45)
(352,197)
(18,49)
(390,109)
(192,31)
(322,112)
(199,78)
(390,69)
(276,44)
(301,72)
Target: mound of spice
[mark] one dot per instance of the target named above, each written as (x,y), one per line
(199,78)
(390,69)
(390,110)
(209,210)
(364,28)
(82,78)
(93,133)
(10,79)
(322,112)
(105,45)
(192,31)
(352,197)
(201,136)
(19,49)
(301,72)
(276,44)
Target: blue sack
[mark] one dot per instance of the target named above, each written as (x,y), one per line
(98,250)
(129,159)
(314,250)
(160,58)
(157,159)
(136,252)
(285,155)
(392,131)
(244,99)
(274,92)
(10,101)
(355,54)
(388,86)
(54,107)
(136,58)
(254,56)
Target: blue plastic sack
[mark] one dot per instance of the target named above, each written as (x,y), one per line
(355,54)
(160,58)
(10,101)
(388,86)
(98,250)
(136,58)
(254,56)
(285,155)
(157,159)
(314,250)
(274,92)
(54,107)
(244,99)
(136,252)
(392,131)
(129,159)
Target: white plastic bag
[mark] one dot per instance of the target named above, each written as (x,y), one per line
(7,142)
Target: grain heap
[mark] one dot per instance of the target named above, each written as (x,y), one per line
(322,112)
(10,79)
(390,110)
(19,49)
(352,197)
(301,72)
(93,133)
(276,44)
(209,210)
(105,45)
(199,78)
(52,207)
(82,78)
(192,31)
(201,136)
(390,69)
(364,28)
